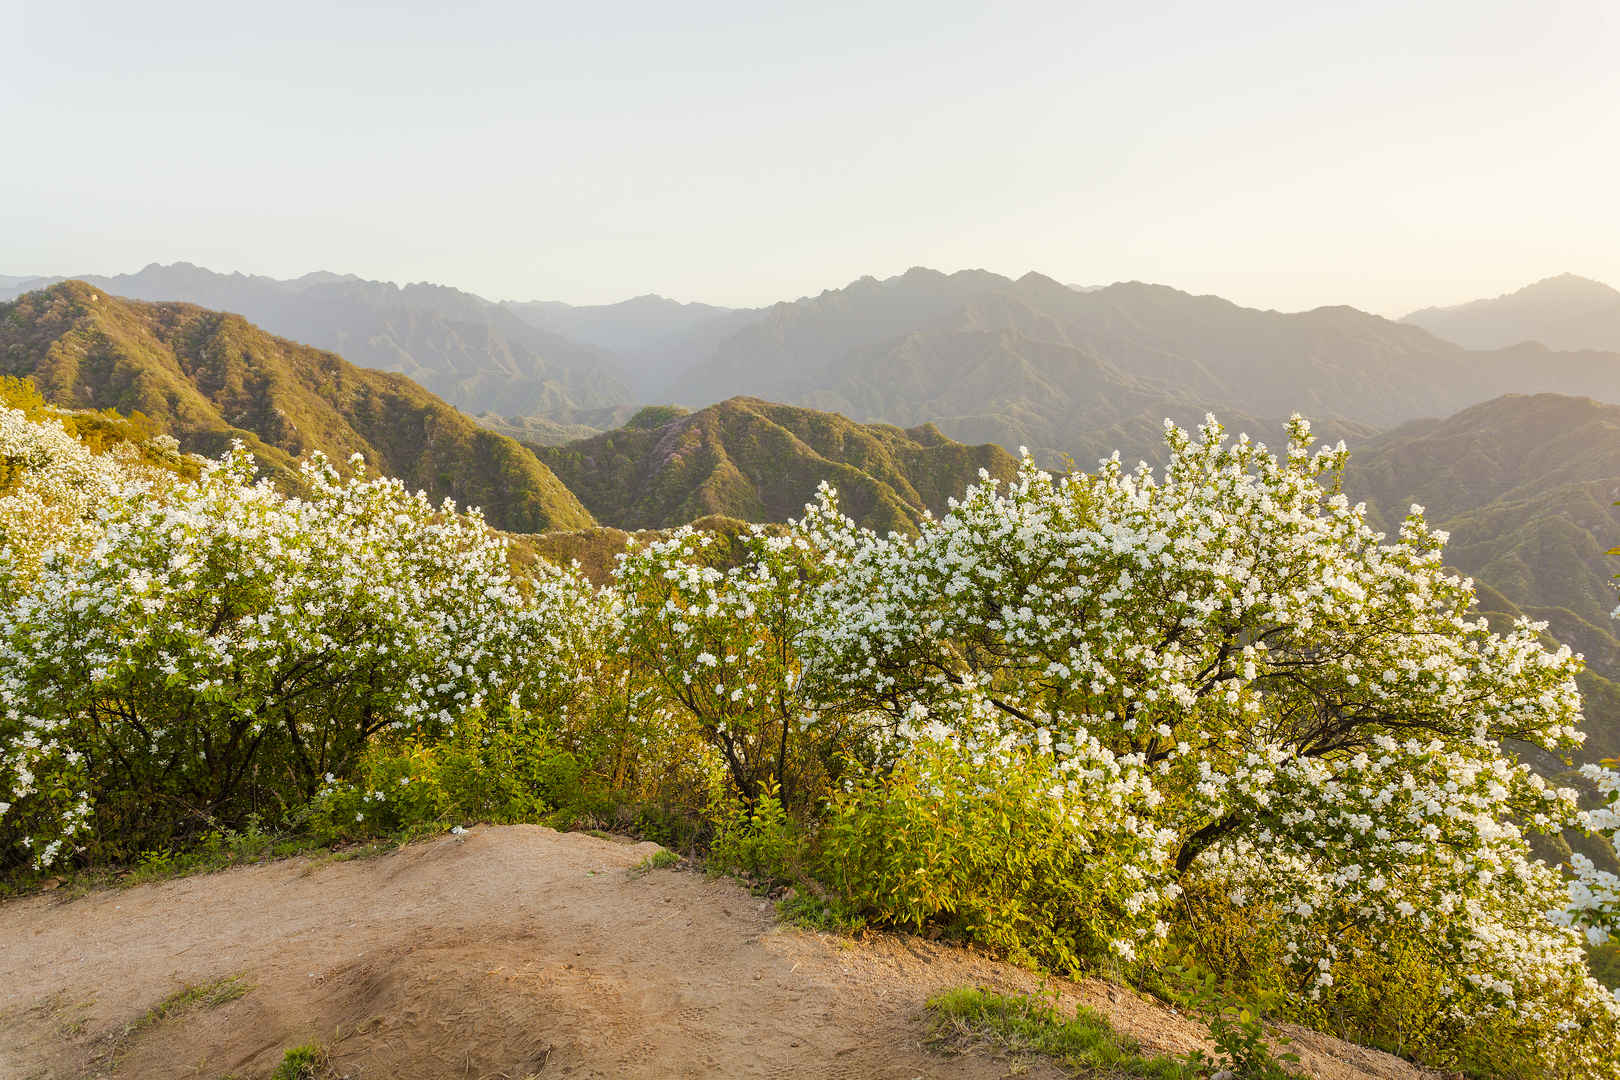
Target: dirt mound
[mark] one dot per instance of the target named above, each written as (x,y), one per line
(504,953)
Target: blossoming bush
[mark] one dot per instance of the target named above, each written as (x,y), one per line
(1269,698)
(721,645)
(52,485)
(221,649)
(1594,897)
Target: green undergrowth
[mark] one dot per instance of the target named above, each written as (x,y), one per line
(1085,1043)
(658,860)
(306,1062)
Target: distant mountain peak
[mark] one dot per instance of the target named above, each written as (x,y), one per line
(1567,284)
(1565,312)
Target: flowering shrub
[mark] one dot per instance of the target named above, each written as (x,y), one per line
(1594,894)
(1230,664)
(220,649)
(51,486)
(722,644)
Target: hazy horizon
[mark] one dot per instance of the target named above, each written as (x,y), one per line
(666,295)
(1386,157)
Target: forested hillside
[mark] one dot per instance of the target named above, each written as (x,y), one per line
(207,378)
(759,461)
(475,354)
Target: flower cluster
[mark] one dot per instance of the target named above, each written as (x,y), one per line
(720,627)
(51,486)
(1594,893)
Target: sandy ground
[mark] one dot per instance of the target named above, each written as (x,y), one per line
(504,953)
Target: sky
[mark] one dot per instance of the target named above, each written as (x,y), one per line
(1281,154)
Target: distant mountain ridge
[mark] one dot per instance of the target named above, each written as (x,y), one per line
(1025,362)
(761,461)
(475,354)
(1033,362)
(1561,312)
(652,339)
(209,377)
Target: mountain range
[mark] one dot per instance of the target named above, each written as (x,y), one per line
(1032,362)
(210,377)
(1514,449)
(1562,312)
(986,358)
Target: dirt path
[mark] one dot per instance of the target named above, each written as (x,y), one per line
(505,953)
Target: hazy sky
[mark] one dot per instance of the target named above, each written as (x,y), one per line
(1283,154)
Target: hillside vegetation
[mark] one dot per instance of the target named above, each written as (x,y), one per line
(207,378)
(1526,487)
(759,461)
(475,354)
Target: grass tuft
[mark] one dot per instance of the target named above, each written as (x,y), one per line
(1087,1043)
(658,860)
(306,1062)
(208,995)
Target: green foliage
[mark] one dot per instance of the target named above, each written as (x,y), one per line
(1237,1030)
(944,845)
(757,842)
(1085,1042)
(658,860)
(208,995)
(306,1062)
(501,769)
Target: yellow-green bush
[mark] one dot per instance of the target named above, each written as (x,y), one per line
(760,843)
(979,852)
(486,768)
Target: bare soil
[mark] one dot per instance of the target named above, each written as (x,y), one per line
(508,952)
